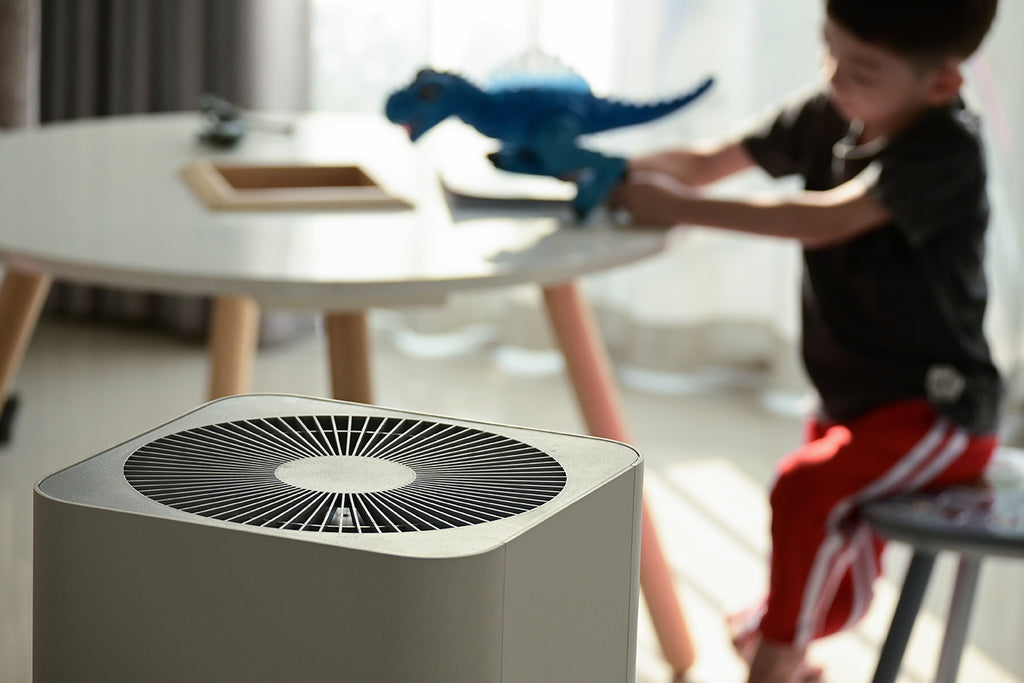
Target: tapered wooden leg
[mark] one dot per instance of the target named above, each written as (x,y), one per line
(234,334)
(348,349)
(21,299)
(590,373)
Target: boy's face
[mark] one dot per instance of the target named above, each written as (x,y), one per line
(875,85)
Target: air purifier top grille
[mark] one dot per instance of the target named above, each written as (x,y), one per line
(343,475)
(358,474)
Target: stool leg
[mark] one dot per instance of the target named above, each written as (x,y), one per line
(959,618)
(911,595)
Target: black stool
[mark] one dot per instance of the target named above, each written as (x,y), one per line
(972,521)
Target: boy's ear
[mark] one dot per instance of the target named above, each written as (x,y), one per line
(945,83)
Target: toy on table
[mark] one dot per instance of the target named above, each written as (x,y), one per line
(537,123)
(226,123)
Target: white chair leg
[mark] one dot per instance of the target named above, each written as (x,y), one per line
(959,618)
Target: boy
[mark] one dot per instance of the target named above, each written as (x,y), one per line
(892,224)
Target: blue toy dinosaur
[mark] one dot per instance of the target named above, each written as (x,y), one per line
(537,124)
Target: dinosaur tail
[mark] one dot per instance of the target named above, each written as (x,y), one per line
(609,114)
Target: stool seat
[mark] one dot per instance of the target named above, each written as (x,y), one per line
(981,518)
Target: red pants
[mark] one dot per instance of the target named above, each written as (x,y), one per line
(824,559)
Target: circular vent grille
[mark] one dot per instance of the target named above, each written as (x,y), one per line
(349,474)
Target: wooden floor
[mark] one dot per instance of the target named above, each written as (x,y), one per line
(709,455)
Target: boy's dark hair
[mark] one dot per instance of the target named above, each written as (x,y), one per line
(917,29)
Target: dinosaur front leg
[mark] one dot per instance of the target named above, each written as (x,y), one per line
(595,174)
(595,181)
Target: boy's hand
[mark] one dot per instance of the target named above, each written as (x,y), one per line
(650,198)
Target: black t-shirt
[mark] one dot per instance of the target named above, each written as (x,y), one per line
(896,313)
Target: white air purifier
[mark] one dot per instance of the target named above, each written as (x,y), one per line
(280,538)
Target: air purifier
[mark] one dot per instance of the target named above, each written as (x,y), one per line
(283,538)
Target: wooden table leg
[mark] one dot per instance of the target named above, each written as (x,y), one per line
(234,334)
(21,299)
(348,349)
(590,373)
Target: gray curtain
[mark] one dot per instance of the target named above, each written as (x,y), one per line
(109,57)
(18,37)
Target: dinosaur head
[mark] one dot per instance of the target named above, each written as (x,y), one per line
(432,97)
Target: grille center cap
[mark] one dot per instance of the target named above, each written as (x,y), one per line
(345,474)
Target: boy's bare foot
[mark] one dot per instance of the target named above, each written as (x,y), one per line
(810,673)
(743,631)
(780,663)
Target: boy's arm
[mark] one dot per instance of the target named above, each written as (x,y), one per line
(696,165)
(816,219)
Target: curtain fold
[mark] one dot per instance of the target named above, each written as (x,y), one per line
(110,57)
(18,51)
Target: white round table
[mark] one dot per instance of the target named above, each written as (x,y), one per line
(103,201)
